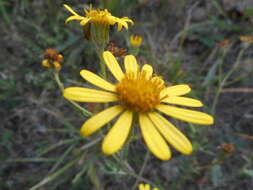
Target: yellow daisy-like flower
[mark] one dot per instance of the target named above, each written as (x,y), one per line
(135,40)
(138,93)
(146,187)
(98,17)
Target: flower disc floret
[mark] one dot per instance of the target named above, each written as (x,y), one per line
(141,93)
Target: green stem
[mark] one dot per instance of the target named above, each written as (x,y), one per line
(58,81)
(217,162)
(55,175)
(147,156)
(226,77)
(33,160)
(239,78)
(130,171)
(102,63)
(92,173)
(134,50)
(62,142)
(61,159)
(61,86)
(90,144)
(224,53)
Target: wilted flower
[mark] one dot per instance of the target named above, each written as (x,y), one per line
(52,58)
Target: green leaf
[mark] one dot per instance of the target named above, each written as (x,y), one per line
(223,24)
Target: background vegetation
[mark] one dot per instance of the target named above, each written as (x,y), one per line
(40,145)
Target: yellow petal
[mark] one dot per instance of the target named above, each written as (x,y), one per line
(73,18)
(126,19)
(97,80)
(177,90)
(141,187)
(148,70)
(111,19)
(99,120)
(119,27)
(118,134)
(183,101)
(84,21)
(131,65)
(153,139)
(144,187)
(81,94)
(113,65)
(122,23)
(171,133)
(186,115)
(147,187)
(70,9)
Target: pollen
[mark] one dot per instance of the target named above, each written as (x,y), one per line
(140,93)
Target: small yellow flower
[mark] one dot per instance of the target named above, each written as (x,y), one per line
(52,58)
(135,40)
(138,93)
(98,17)
(146,187)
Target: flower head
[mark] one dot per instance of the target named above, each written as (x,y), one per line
(146,187)
(135,40)
(98,17)
(52,58)
(139,93)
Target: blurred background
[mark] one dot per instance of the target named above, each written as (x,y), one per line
(204,43)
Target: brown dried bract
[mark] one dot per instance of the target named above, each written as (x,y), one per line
(223,43)
(86,32)
(228,147)
(53,55)
(52,58)
(115,50)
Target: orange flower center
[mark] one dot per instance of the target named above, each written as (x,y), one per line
(140,93)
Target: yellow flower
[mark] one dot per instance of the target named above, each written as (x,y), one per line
(146,187)
(135,40)
(98,17)
(138,93)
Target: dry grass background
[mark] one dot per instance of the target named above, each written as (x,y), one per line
(39,131)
